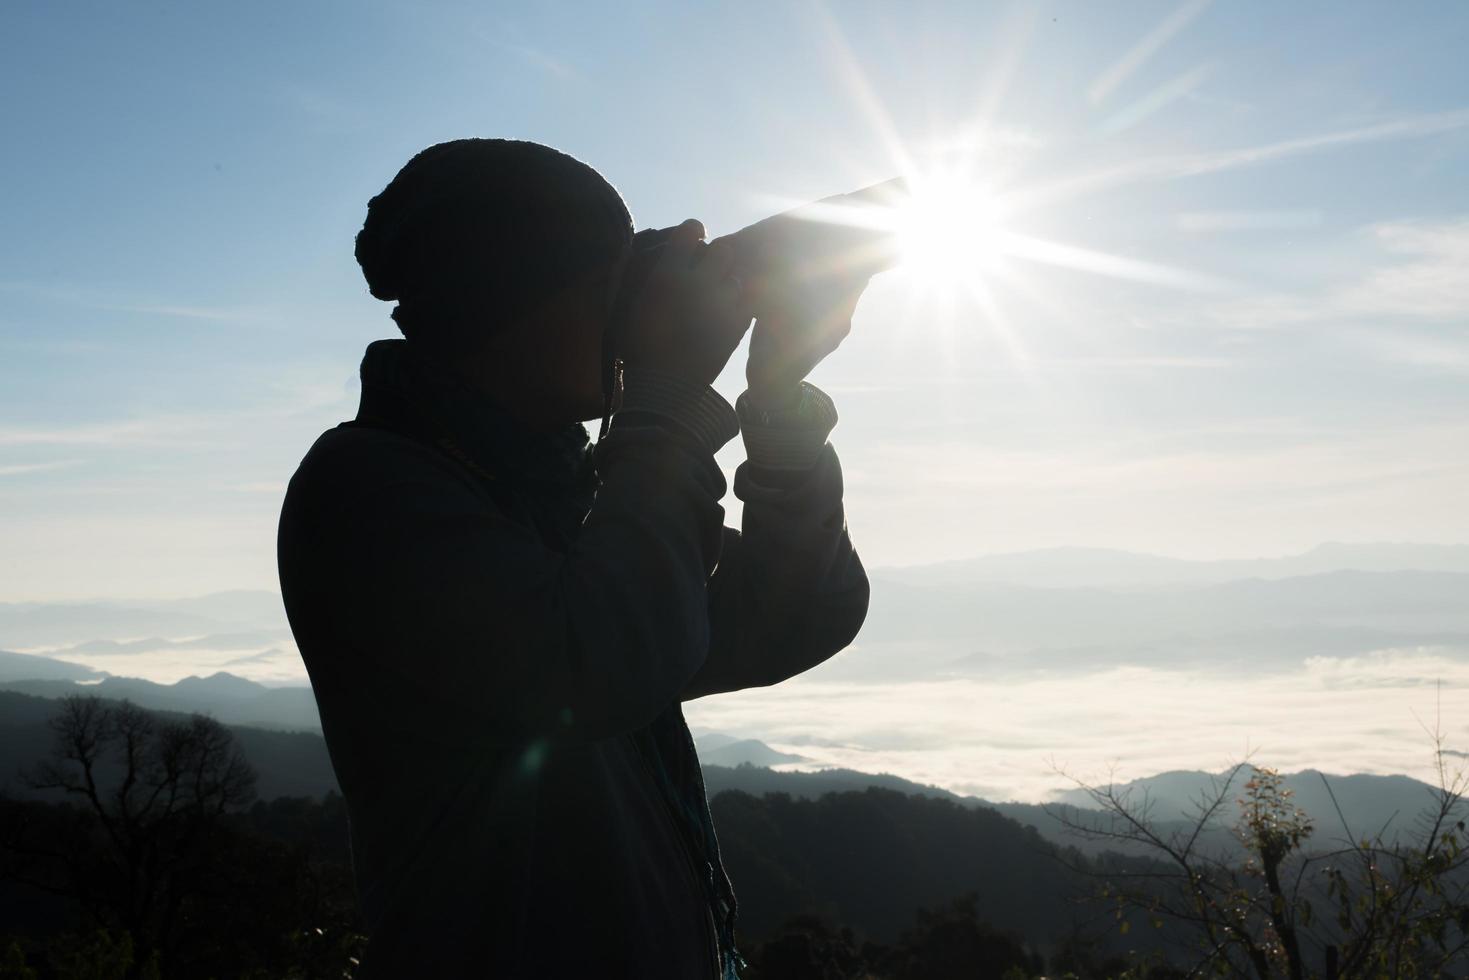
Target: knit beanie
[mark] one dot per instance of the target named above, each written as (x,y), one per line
(474,234)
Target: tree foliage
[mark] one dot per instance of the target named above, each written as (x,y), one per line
(151,856)
(1383,905)
(949,941)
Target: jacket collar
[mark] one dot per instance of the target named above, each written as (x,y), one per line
(403,390)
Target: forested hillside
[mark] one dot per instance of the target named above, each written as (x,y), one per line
(839,873)
(855,866)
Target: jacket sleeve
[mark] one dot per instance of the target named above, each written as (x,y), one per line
(790,591)
(417,573)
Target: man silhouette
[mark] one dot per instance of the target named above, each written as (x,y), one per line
(500,622)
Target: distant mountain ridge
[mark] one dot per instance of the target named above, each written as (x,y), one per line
(1372,804)
(72,622)
(27,667)
(1337,616)
(231,699)
(1072,567)
(1270,624)
(722,750)
(297,764)
(1058,607)
(788,856)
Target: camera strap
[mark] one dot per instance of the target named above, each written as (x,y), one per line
(641,257)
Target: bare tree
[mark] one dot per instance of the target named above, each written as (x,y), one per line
(151,794)
(1395,905)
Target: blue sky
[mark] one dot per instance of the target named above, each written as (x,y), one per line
(180,313)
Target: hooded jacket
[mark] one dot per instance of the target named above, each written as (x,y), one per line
(500,628)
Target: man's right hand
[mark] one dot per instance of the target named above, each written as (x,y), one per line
(689,314)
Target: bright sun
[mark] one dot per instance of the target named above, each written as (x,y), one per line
(949,231)
(961,246)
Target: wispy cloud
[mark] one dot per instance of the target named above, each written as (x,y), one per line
(88,297)
(19,469)
(281,401)
(274,487)
(154,431)
(1413,271)
(326,111)
(1429,280)
(548,63)
(1406,667)
(1450,356)
(222,314)
(512,39)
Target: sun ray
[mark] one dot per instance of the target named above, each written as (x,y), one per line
(1002,70)
(1178,166)
(982,296)
(1147,46)
(855,79)
(1159,98)
(947,230)
(1102,263)
(1029,291)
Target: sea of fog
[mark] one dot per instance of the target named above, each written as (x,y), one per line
(1021,736)
(1024,737)
(276,664)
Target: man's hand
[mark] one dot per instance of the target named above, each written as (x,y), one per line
(800,331)
(804,271)
(689,315)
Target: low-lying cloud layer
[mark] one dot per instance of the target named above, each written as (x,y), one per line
(1014,738)
(996,675)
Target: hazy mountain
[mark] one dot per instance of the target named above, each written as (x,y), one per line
(296,764)
(231,699)
(867,858)
(1102,568)
(1028,617)
(1371,804)
(219,686)
(1052,609)
(25,667)
(711,740)
(758,780)
(915,629)
(745,752)
(951,620)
